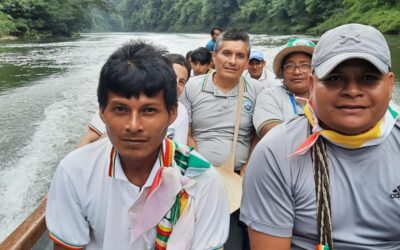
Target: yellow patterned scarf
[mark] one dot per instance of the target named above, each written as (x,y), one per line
(374,136)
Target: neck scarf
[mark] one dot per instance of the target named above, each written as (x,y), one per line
(374,136)
(167,205)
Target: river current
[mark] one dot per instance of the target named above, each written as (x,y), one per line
(48,95)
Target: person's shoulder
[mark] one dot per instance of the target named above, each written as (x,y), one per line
(182,111)
(290,133)
(273,92)
(85,158)
(253,85)
(195,82)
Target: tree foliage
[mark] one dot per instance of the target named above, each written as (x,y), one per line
(47,17)
(283,16)
(66,17)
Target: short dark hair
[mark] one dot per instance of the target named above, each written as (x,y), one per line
(233,35)
(201,55)
(137,68)
(188,54)
(178,59)
(214,29)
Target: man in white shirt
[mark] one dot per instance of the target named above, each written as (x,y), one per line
(177,131)
(136,189)
(256,70)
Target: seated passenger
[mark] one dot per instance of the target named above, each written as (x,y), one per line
(256,70)
(215,32)
(200,61)
(136,189)
(329,179)
(278,104)
(178,129)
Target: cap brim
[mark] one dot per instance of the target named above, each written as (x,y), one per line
(326,67)
(257,58)
(233,184)
(278,60)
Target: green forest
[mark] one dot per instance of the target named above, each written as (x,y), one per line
(46,18)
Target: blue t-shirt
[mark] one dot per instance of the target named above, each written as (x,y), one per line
(210,45)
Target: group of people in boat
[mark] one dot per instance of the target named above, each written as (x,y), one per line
(217,152)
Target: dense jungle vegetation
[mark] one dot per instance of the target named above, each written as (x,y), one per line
(41,18)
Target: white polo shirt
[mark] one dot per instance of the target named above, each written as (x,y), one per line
(90,196)
(178,130)
(267,78)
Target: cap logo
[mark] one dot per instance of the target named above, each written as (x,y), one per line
(353,38)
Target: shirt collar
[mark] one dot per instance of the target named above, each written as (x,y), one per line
(209,86)
(263,75)
(115,168)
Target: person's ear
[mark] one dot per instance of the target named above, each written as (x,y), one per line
(173,113)
(389,79)
(311,84)
(101,113)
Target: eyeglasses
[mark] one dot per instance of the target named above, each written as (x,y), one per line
(291,67)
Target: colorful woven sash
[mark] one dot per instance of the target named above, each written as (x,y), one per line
(374,136)
(164,228)
(166,205)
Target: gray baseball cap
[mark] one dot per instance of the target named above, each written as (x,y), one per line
(350,41)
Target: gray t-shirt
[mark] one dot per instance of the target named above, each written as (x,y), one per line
(212,115)
(279,192)
(275,104)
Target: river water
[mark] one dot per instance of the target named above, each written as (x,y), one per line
(48,94)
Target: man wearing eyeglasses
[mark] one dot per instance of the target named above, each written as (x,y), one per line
(256,70)
(278,104)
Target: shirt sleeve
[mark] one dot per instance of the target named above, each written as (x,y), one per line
(267,109)
(212,213)
(267,202)
(64,216)
(97,125)
(181,125)
(185,100)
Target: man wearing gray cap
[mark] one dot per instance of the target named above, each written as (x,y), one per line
(331,178)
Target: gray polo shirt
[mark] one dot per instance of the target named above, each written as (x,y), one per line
(275,104)
(279,192)
(212,115)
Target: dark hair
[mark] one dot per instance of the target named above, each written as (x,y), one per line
(233,35)
(215,28)
(201,55)
(178,59)
(137,68)
(188,54)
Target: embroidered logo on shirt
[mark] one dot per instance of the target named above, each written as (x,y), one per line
(248,106)
(395,193)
